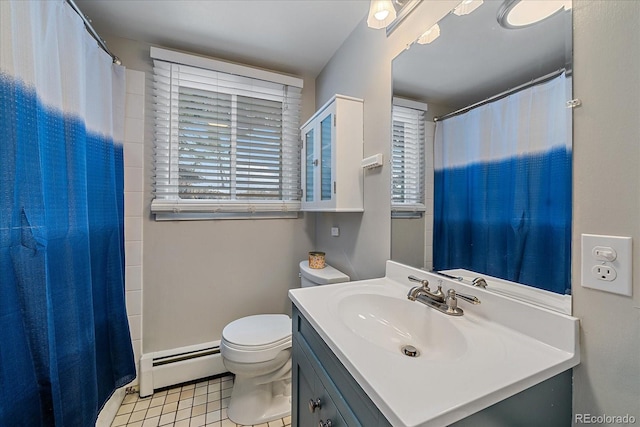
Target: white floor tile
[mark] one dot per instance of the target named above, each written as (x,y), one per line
(202,404)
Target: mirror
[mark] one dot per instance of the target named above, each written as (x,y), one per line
(473,60)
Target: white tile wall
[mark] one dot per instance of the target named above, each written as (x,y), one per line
(133,203)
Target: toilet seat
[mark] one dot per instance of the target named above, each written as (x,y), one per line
(258,338)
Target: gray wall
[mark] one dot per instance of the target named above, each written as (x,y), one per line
(200,275)
(362,68)
(607,199)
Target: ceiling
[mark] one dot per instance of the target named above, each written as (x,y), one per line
(292,36)
(475,58)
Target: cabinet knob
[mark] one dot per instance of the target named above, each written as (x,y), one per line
(314,404)
(327,423)
(315,162)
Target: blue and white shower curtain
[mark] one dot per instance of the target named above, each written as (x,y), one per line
(64,336)
(502,202)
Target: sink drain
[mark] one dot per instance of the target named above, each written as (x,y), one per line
(411,351)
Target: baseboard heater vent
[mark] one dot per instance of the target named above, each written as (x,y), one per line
(170,367)
(185,356)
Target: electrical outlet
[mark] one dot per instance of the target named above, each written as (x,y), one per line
(606,263)
(604,272)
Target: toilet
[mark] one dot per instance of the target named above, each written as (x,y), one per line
(257,349)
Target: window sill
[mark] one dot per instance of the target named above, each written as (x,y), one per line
(198,210)
(204,216)
(408,211)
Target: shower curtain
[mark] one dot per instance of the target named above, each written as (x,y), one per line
(502,202)
(64,336)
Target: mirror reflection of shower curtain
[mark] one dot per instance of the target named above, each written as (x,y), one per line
(64,336)
(503,188)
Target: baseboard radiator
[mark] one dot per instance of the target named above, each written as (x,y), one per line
(179,365)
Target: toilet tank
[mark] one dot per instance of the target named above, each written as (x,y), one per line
(320,276)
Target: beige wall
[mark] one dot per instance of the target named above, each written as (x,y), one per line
(607,198)
(200,275)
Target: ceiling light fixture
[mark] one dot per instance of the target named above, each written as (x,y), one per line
(381,14)
(430,35)
(523,13)
(467,6)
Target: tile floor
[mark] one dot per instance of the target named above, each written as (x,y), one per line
(194,405)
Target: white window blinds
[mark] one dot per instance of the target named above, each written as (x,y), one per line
(408,163)
(224,143)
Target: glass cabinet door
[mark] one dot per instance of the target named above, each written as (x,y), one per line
(309,165)
(325,158)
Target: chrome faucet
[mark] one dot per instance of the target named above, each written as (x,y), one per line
(416,291)
(446,304)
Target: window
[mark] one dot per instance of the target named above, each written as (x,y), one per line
(225,144)
(408,165)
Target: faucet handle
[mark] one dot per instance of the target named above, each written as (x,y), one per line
(423,282)
(468,298)
(479,282)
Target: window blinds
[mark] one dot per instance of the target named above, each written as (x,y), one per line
(407,152)
(224,142)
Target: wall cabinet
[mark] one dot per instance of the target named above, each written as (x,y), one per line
(332,148)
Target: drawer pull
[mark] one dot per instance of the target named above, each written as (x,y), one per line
(314,404)
(327,423)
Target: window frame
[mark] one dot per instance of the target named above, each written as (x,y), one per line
(176,208)
(414,208)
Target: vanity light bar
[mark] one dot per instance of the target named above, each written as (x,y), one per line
(467,6)
(430,35)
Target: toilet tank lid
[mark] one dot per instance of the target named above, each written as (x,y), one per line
(322,276)
(258,330)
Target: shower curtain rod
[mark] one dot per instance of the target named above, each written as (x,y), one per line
(504,94)
(93,32)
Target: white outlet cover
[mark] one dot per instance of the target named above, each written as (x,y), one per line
(622,283)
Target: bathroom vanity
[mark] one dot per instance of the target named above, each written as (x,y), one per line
(504,362)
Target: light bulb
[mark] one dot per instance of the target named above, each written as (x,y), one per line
(381,15)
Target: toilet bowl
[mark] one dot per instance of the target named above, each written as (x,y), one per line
(257,349)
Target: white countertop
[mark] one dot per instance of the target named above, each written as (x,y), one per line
(496,349)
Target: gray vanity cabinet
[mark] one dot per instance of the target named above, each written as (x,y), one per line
(318,374)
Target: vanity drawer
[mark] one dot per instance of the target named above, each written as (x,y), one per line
(350,400)
(309,388)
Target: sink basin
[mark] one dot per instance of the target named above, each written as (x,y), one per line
(392,323)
